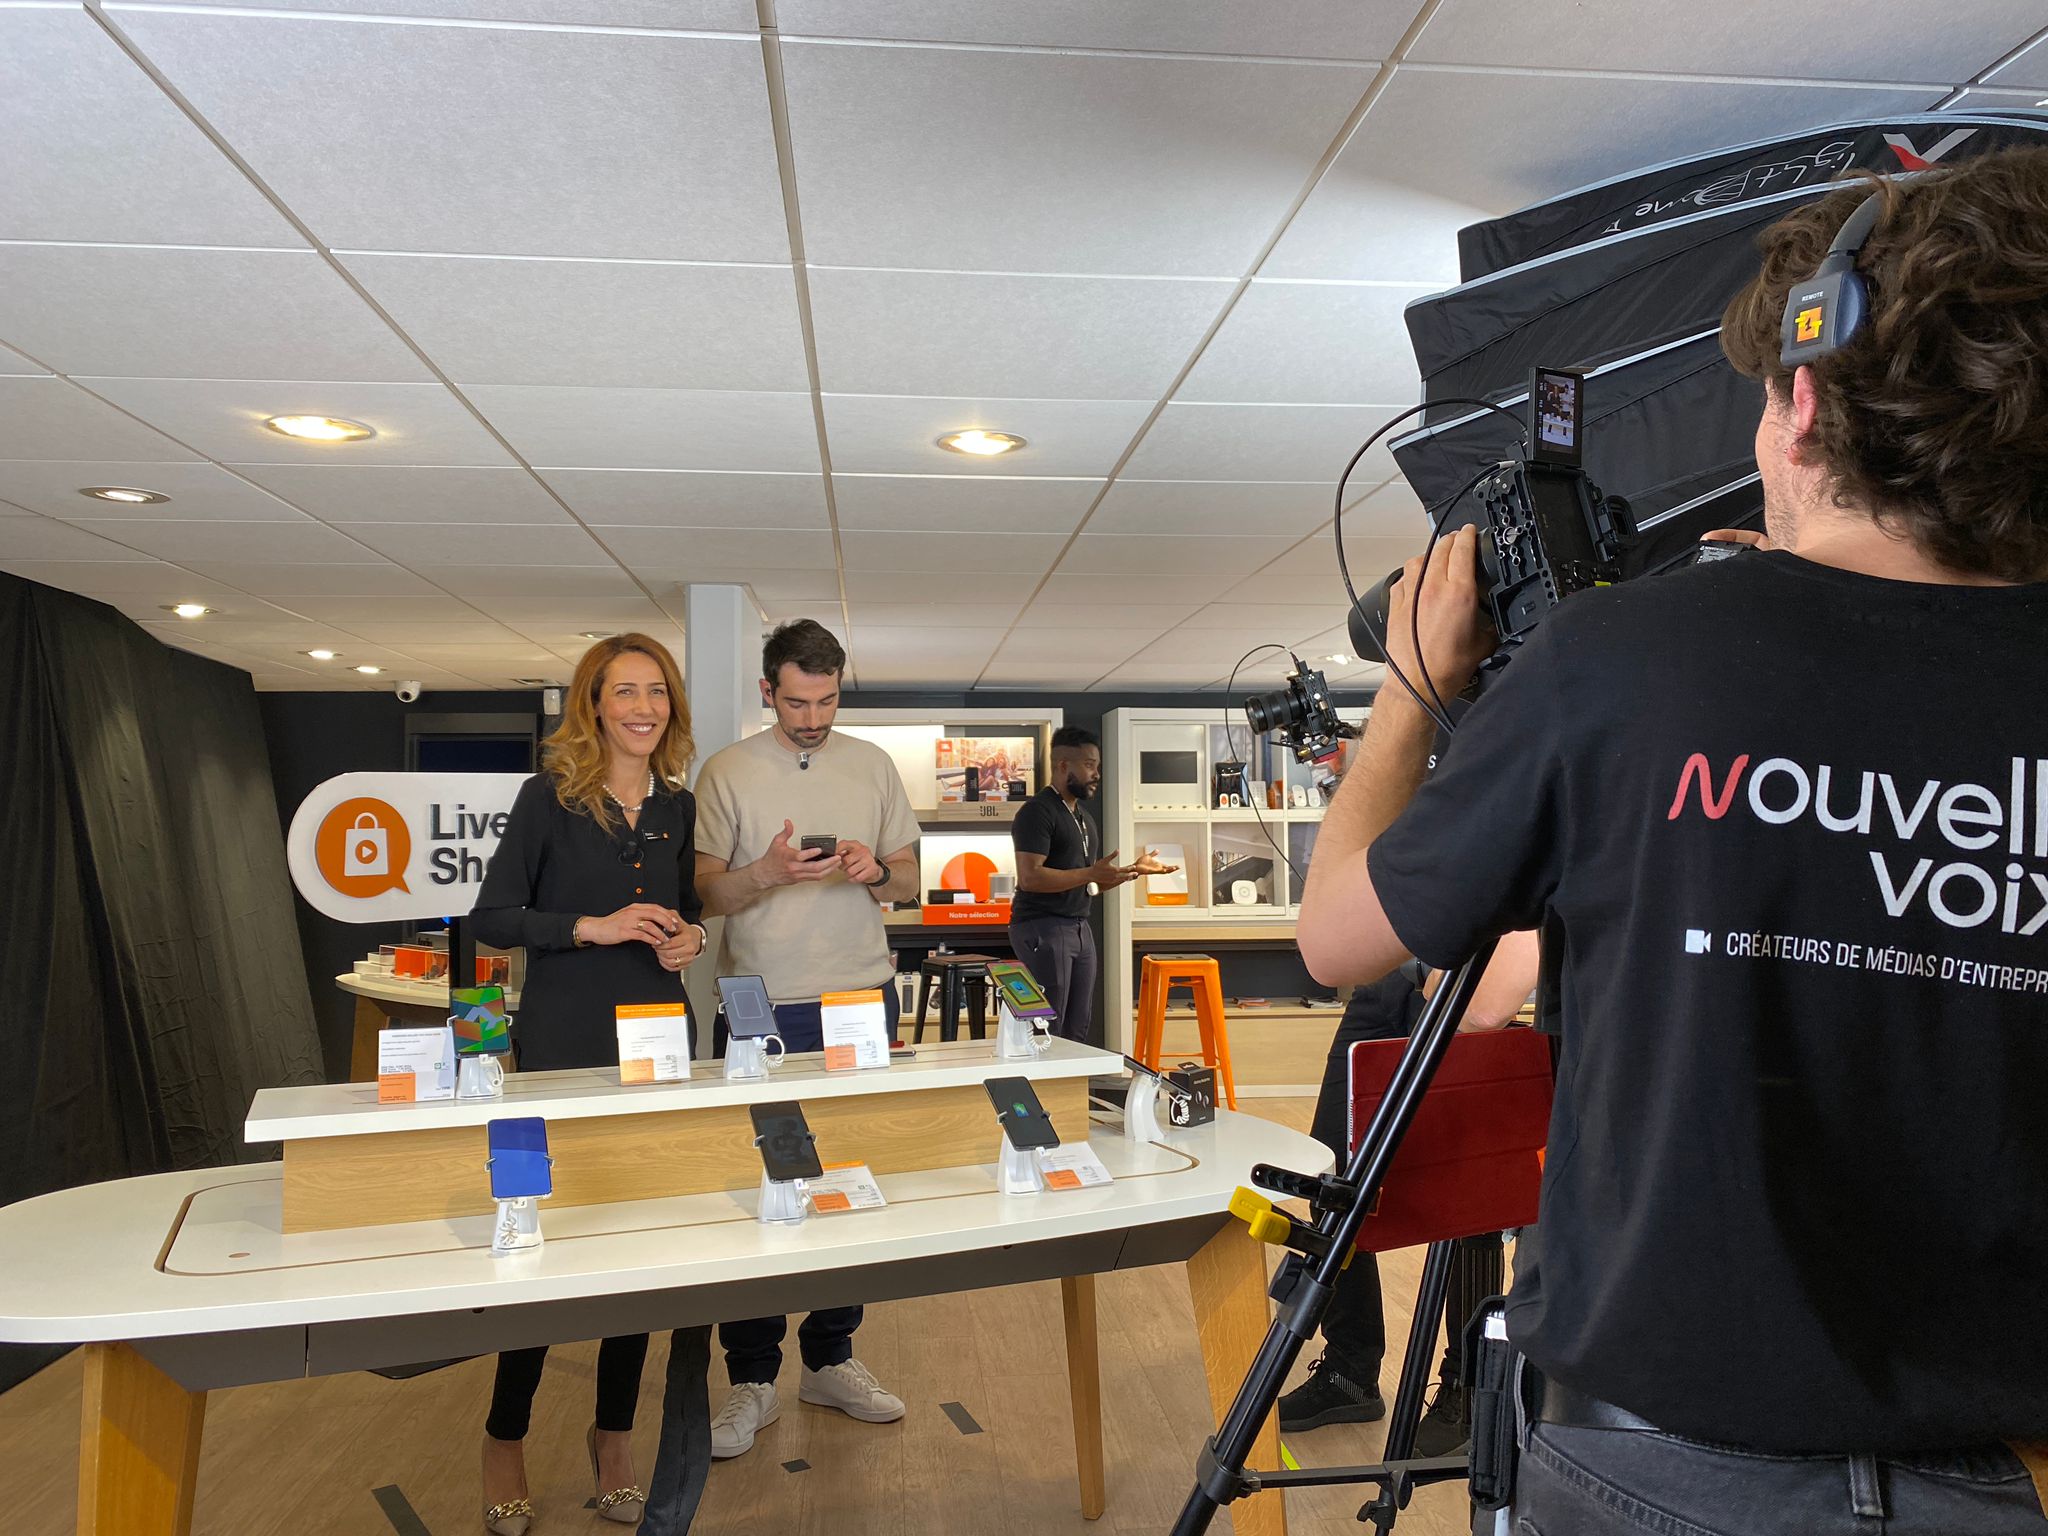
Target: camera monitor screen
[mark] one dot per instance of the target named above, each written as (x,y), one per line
(1556,403)
(748,1013)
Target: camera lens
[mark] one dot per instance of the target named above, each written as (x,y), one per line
(1273,711)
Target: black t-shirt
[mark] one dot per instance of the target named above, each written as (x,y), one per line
(554,865)
(1792,823)
(1045,826)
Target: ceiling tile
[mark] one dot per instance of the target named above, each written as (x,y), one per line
(394,493)
(1075,648)
(889,434)
(223,418)
(2027,72)
(1748,37)
(438,631)
(1093,589)
(189,540)
(888,586)
(1177,167)
(1162,677)
(941,615)
(486,585)
(1369,558)
(1262,623)
(1208,507)
(490,140)
(672,554)
(653,428)
(997,558)
(1309,29)
(96,152)
(1213,650)
(1196,554)
(1305,588)
(1051,338)
(961,503)
(629,325)
(807,586)
(701,499)
(104,579)
(12,362)
(281,582)
(414,600)
(673,15)
(888,642)
(195,490)
(1442,146)
(1154,614)
(417,544)
(119,311)
(46,418)
(1981,99)
(42,538)
(1393,511)
(1028,675)
(1311,343)
(1306,443)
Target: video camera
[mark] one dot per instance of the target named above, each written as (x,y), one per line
(1301,713)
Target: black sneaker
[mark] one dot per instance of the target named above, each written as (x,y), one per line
(1329,1397)
(1446,1428)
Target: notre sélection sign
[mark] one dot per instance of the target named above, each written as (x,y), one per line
(373,847)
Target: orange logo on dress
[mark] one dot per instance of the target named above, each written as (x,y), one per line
(362,848)
(1807,326)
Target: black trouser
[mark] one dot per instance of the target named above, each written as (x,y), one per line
(1060,952)
(1355,1326)
(618,1386)
(683,1461)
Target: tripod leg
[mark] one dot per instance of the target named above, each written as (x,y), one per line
(1421,1356)
(1228,1281)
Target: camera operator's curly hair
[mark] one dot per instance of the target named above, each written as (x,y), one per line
(1935,416)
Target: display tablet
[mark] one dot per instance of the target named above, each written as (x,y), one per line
(1024,1119)
(749,1015)
(1020,991)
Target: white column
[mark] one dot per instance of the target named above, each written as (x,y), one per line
(721,669)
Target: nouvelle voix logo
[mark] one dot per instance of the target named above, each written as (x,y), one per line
(1993,889)
(370,847)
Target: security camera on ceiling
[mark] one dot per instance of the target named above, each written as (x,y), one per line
(407,691)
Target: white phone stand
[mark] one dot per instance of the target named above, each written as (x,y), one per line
(479,1076)
(1141,1110)
(1020,1172)
(783,1201)
(518,1225)
(1020,1039)
(748,1060)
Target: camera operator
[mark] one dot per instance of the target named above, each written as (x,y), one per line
(1791,832)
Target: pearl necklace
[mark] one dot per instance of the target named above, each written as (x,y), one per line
(629,809)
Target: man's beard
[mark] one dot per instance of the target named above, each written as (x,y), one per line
(1079,790)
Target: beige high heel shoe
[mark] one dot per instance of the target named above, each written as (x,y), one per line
(513,1517)
(622,1505)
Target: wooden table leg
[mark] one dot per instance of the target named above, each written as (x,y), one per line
(138,1459)
(1228,1281)
(1084,1383)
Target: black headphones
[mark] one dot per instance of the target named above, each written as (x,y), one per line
(1825,311)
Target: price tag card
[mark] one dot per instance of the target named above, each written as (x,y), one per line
(856,1030)
(1073,1165)
(654,1043)
(414,1065)
(845,1187)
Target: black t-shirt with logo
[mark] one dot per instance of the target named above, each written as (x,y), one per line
(1792,824)
(1067,840)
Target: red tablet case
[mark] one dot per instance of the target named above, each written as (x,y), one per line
(1472,1159)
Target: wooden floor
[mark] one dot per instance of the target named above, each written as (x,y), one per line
(309,1457)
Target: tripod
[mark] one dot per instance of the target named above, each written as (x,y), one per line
(1306,1278)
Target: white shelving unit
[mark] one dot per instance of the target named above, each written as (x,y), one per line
(1148,754)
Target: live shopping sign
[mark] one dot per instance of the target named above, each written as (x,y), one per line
(372,847)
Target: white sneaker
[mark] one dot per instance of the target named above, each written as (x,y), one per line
(851,1390)
(750,1407)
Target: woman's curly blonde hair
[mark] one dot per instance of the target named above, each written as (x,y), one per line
(575,755)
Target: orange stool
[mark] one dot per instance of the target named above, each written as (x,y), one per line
(1200,975)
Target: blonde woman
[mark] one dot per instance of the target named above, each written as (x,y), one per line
(595,878)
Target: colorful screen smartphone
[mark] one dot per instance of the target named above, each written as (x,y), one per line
(519,1162)
(1020,990)
(748,1013)
(788,1149)
(1024,1119)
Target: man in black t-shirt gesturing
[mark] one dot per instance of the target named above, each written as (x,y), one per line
(1787,816)
(1059,856)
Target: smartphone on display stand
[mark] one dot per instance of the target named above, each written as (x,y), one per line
(789,1149)
(748,1013)
(1020,990)
(1024,1119)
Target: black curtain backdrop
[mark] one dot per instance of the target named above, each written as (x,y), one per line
(150,974)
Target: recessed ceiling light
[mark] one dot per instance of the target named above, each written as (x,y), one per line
(320,429)
(981,444)
(323,655)
(1338,659)
(531,682)
(187,610)
(594,634)
(369,671)
(126,494)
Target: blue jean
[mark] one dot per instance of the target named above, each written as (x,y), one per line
(753,1346)
(1611,1482)
(683,1460)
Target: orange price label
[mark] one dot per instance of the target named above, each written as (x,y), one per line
(1063,1178)
(396,1088)
(831,1200)
(841,1058)
(637,1069)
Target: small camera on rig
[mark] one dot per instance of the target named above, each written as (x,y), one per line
(1546,530)
(1301,714)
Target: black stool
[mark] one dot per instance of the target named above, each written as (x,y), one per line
(961,979)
